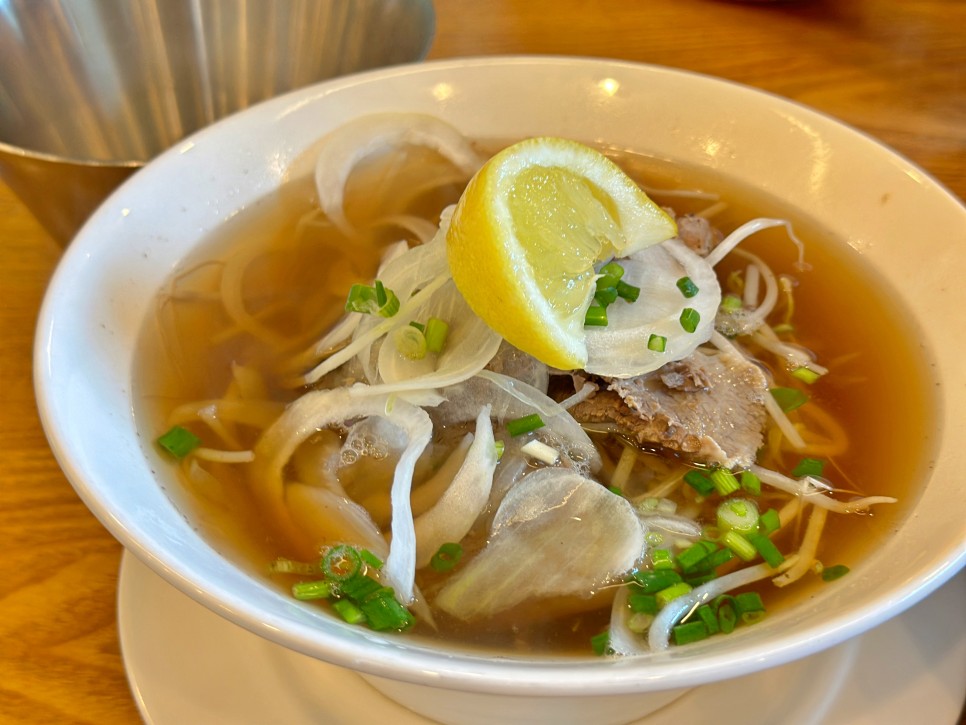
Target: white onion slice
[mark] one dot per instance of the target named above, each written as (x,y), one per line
(347,145)
(620,349)
(555,534)
(453,515)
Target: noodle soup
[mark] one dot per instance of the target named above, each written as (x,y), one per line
(234,325)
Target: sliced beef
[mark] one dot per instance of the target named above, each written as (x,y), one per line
(707,408)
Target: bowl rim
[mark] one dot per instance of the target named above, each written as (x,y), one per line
(435,666)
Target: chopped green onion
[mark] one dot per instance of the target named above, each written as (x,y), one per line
(724,481)
(713,561)
(769,522)
(349,611)
(748,602)
(376,300)
(671,593)
(731,303)
(699,482)
(808,467)
(696,580)
(643,603)
(689,632)
(654,581)
(500,447)
(613,270)
(690,318)
(706,614)
(526,424)
(751,483)
(341,563)
(628,292)
(312,590)
(606,296)
(384,612)
(806,375)
(769,552)
(739,544)
(661,559)
(688,288)
(691,557)
(615,490)
(657,343)
(447,557)
(410,342)
(418,325)
(371,559)
(596,316)
(359,587)
(436,332)
(788,399)
(738,514)
(831,573)
(727,612)
(600,643)
(179,441)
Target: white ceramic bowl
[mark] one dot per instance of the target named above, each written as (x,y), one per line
(901,222)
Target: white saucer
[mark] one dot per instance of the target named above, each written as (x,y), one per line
(187,664)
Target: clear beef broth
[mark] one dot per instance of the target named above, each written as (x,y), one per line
(295,289)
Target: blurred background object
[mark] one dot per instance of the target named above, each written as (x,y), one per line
(92,89)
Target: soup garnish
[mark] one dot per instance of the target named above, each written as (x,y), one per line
(559,403)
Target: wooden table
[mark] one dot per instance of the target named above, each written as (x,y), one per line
(893,68)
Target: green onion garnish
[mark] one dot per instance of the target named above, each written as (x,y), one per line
(750,607)
(689,319)
(706,614)
(769,522)
(671,593)
(699,482)
(312,590)
(371,559)
(349,611)
(712,561)
(724,481)
(341,563)
(526,424)
(689,632)
(377,300)
(596,316)
(652,582)
(806,375)
(688,288)
(384,612)
(788,398)
(691,557)
(831,573)
(410,342)
(738,514)
(606,296)
(657,343)
(724,606)
(628,292)
(287,566)
(179,441)
(769,552)
(418,325)
(643,603)
(739,544)
(436,332)
(661,559)
(499,447)
(750,483)
(600,643)
(808,467)
(447,557)
(612,270)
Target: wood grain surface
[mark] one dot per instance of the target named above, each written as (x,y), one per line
(895,69)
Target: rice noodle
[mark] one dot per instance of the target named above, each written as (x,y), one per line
(217,456)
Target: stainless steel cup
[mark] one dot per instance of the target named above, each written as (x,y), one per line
(92,89)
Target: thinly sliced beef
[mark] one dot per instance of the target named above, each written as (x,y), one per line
(706,408)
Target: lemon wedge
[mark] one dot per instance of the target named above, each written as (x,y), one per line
(526,236)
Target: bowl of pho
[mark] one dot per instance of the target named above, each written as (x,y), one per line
(536,382)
